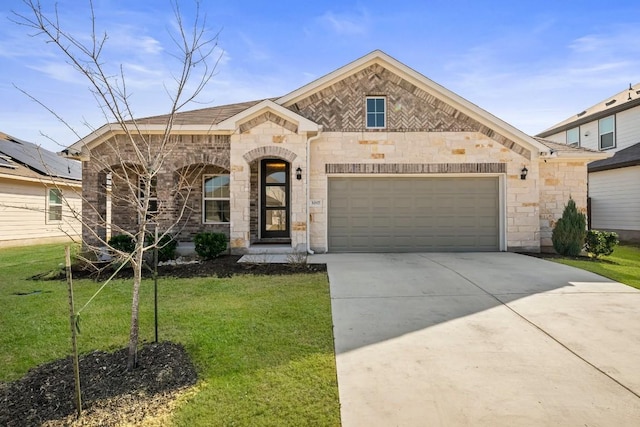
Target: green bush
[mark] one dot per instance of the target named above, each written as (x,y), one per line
(166,246)
(123,243)
(600,242)
(570,231)
(210,245)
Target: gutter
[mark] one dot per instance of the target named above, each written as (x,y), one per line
(306,187)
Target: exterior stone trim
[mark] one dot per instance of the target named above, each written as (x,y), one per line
(268,117)
(415,168)
(269,151)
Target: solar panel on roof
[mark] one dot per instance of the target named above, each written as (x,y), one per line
(41,160)
(5,163)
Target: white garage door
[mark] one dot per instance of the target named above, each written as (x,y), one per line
(389,214)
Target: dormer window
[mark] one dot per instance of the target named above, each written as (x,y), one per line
(376,112)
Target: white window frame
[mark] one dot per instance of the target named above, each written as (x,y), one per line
(601,134)
(57,206)
(154,188)
(367,112)
(205,199)
(574,142)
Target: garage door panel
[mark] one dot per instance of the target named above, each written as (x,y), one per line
(402,214)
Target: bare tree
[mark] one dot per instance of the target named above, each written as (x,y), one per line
(132,158)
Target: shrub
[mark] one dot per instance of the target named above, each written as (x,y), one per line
(210,245)
(123,243)
(570,231)
(166,246)
(600,242)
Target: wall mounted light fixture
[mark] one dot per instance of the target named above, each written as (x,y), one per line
(524,172)
(299,173)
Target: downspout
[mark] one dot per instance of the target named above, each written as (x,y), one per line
(306,187)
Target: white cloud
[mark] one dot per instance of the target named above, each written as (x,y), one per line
(349,24)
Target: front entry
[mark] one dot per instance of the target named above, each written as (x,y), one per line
(274,199)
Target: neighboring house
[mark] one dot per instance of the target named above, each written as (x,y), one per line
(39,191)
(611,126)
(373,156)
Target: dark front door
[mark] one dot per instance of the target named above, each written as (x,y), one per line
(274,218)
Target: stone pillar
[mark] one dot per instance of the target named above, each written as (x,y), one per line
(240,178)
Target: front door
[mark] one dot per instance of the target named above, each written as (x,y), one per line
(274,199)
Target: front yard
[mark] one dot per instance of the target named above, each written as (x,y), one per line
(622,266)
(262,345)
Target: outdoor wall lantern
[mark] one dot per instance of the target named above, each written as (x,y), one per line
(299,173)
(523,173)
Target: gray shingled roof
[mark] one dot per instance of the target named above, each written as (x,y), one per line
(36,158)
(630,156)
(621,101)
(559,148)
(203,116)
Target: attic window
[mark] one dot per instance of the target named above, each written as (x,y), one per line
(613,101)
(376,112)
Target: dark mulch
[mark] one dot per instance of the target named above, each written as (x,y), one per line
(223,266)
(110,392)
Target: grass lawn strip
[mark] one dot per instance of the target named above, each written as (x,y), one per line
(623,265)
(262,345)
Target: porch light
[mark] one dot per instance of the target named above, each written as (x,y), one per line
(299,173)
(523,173)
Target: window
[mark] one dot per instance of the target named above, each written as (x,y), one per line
(54,211)
(215,199)
(152,194)
(376,112)
(607,132)
(573,137)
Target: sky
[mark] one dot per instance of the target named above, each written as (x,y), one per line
(530,63)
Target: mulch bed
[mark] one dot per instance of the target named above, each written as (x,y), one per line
(112,395)
(223,266)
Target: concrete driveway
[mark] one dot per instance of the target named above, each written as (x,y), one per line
(482,339)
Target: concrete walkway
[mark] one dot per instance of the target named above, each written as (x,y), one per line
(485,339)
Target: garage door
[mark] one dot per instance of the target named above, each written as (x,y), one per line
(413,214)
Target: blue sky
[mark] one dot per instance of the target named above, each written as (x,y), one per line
(531,63)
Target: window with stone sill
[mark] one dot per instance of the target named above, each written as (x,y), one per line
(376,107)
(216,205)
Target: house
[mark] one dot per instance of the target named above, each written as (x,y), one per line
(611,126)
(39,191)
(372,157)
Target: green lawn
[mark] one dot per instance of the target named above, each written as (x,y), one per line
(622,266)
(262,345)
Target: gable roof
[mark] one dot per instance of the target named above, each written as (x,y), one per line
(630,156)
(42,162)
(422,82)
(217,119)
(621,101)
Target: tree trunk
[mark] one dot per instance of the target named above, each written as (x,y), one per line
(135,305)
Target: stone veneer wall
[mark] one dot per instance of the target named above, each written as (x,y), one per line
(560,180)
(470,148)
(264,140)
(409,108)
(189,150)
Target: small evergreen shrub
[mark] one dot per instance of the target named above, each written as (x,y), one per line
(600,242)
(123,243)
(570,231)
(166,246)
(210,245)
